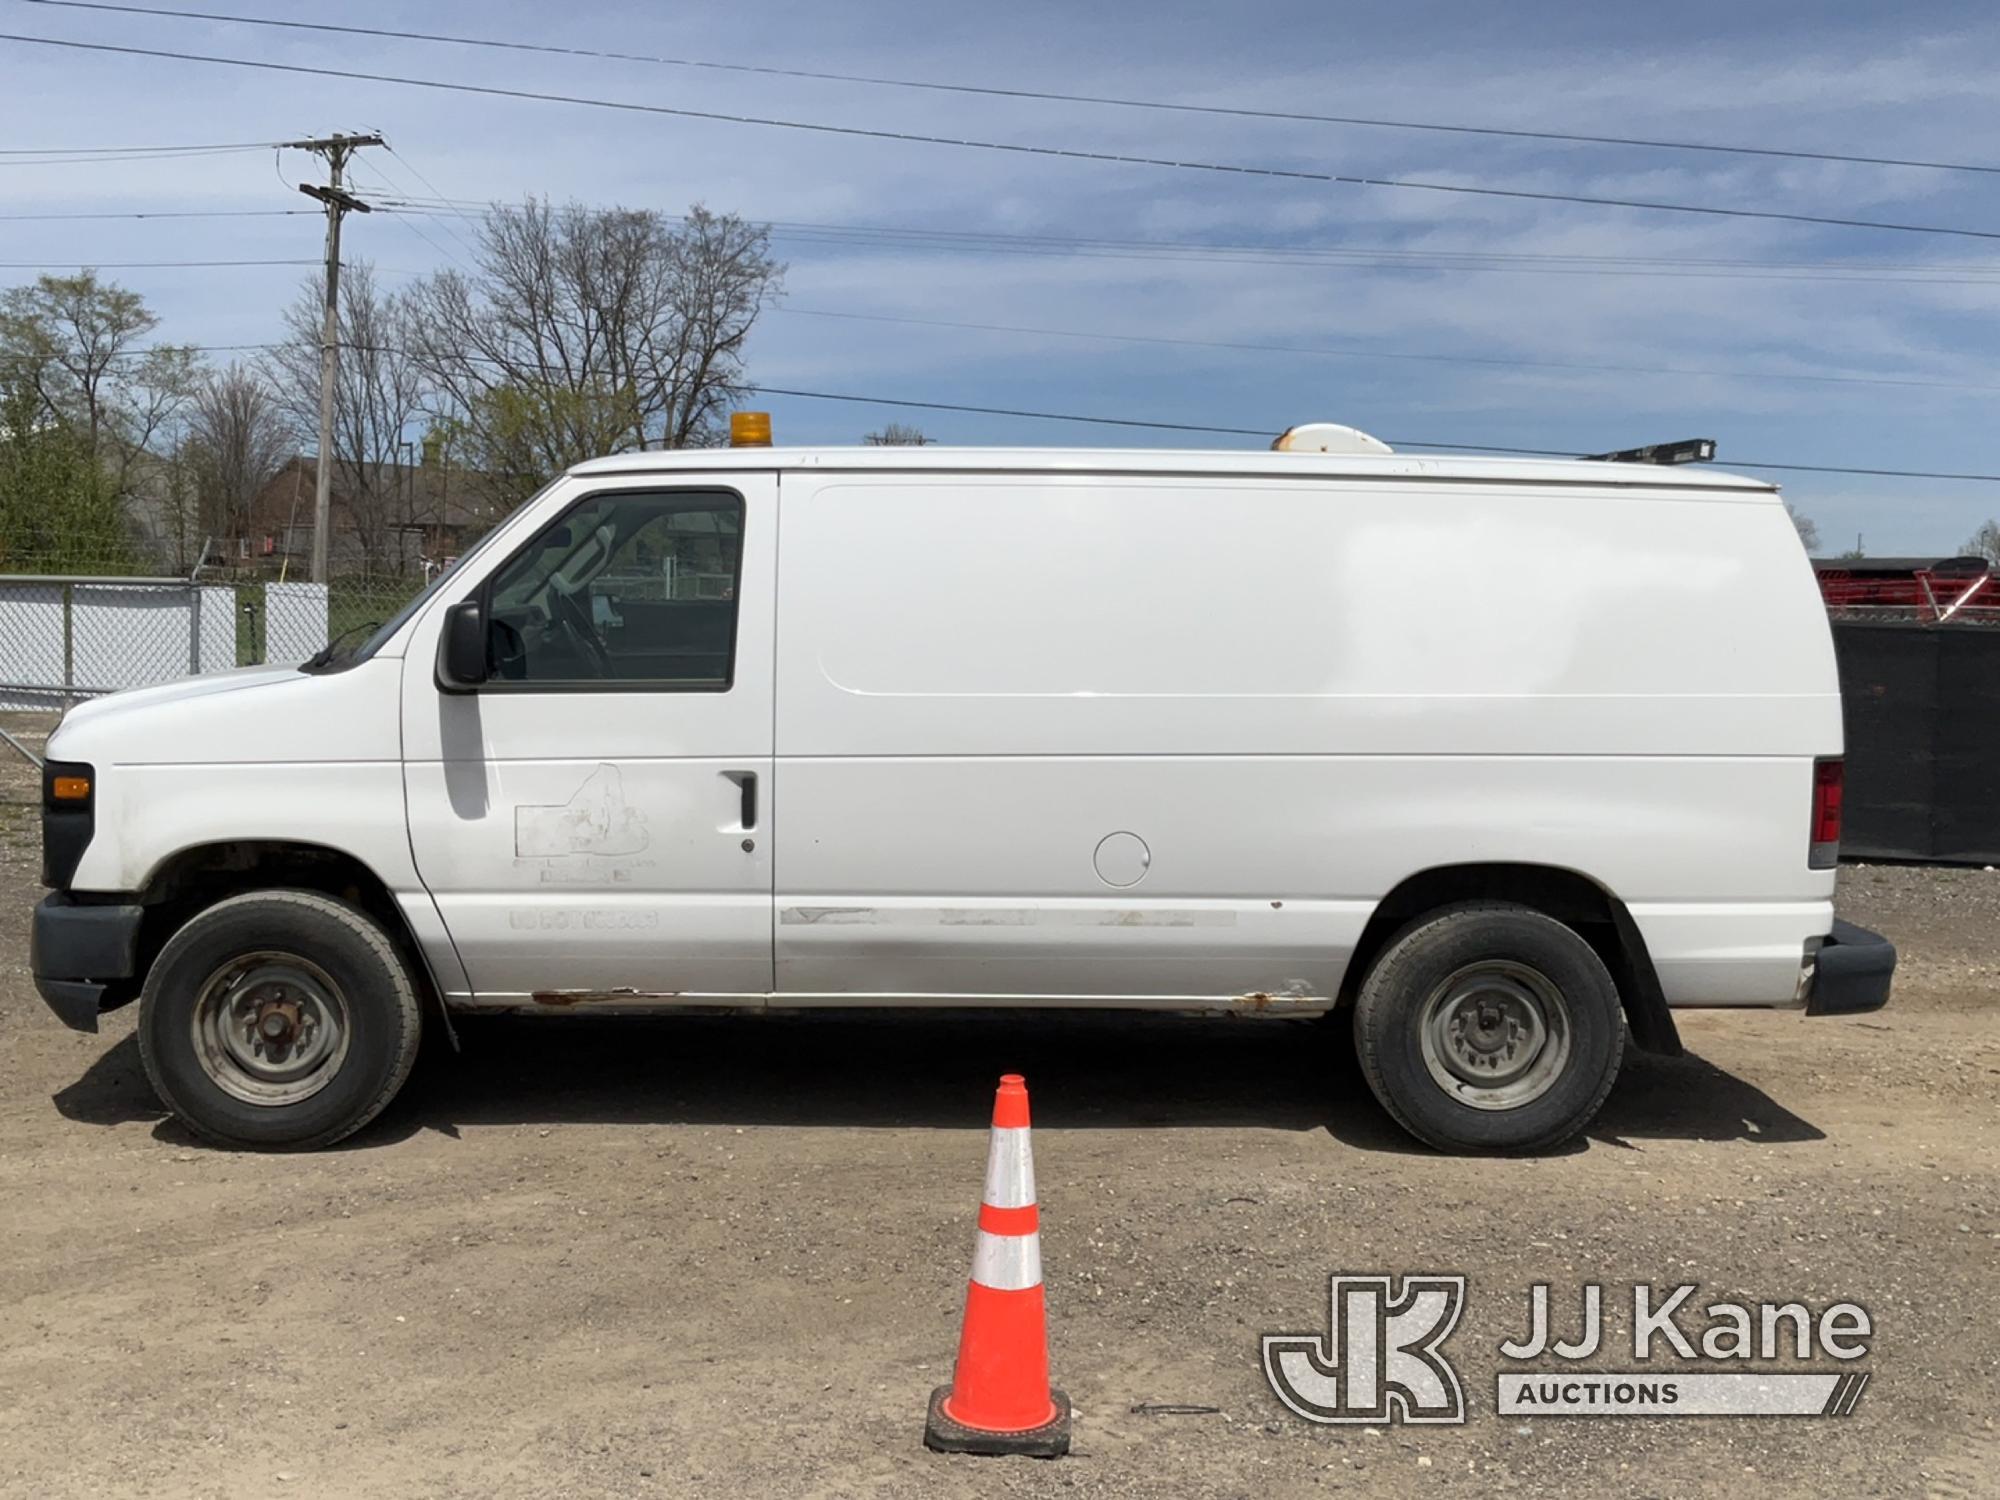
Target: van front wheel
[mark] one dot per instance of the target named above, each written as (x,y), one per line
(1489,1027)
(278,1020)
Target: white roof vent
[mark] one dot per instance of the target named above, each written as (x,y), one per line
(1327,437)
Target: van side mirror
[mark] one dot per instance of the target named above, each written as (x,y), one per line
(461,663)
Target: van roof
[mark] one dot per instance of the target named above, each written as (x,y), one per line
(941,458)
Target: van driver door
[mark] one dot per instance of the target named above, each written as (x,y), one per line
(594,820)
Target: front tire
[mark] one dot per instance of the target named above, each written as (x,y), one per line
(278,1020)
(1489,1027)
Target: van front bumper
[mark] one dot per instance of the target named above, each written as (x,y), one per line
(1851,973)
(80,954)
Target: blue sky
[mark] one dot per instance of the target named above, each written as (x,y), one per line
(1696,354)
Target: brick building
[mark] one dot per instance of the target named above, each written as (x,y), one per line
(414,518)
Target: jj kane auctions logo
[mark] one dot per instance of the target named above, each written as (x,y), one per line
(1381,1358)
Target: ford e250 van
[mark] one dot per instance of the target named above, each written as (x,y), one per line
(1499,762)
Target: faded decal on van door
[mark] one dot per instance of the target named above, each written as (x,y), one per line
(596,820)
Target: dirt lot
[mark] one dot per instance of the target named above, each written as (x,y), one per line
(706,1257)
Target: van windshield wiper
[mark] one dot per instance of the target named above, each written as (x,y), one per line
(326,654)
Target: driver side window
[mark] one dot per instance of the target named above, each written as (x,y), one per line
(631,587)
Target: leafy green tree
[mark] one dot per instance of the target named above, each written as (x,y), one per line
(522,433)
(76,342)
(58,510)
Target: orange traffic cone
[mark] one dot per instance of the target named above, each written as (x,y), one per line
(999,1400)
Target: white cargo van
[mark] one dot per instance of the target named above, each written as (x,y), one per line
(1501,759)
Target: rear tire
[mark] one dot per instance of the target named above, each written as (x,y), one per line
(1489,1027)
(278,1020)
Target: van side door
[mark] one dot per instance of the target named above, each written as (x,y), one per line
(594,820)
(1032,749)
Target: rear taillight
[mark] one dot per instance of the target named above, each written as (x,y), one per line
(1827,777)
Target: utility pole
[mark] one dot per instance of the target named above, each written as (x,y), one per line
(336,149)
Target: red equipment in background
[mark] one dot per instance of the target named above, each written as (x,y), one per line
(1930,591)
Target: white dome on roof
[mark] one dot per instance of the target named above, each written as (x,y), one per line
(1327,437)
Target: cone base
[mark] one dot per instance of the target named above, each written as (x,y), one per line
(1050,1440)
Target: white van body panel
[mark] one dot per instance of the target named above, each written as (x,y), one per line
(1357,683)
(1036,726)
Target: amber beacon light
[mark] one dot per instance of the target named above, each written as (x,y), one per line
(749,429)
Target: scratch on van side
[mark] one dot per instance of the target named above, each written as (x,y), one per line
(999,916)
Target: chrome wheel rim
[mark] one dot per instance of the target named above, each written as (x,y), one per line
(270,1028)
(1496,1034)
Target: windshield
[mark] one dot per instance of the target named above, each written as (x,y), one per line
(332,659)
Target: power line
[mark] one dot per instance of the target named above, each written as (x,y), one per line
(460,213)
(144,350)
(1014,148)
(95,156)
(1368,353)
(149,150)
(1744,463)
(1360,352)
(1345,257)
(1242,346)
(1383,257)
(140,265)
(1265,432)
(443,252)
(202,213)
(377,199)
(1040,95)
(1008,411)
(1353,353)
(1135,422)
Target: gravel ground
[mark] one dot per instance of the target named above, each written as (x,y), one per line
(726,1257)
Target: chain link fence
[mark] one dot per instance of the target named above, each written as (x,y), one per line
(73,636)
(65,637)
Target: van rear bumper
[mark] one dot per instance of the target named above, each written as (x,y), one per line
(1852,972)
(79,953)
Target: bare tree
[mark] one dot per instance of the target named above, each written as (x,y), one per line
(584,332)
(1808,528)
(1985,542)
(77,340)
(896,435)
(179,531)
(380,402)
(237,438)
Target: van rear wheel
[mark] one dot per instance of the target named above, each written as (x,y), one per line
(278,1020)
(1489,1027)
